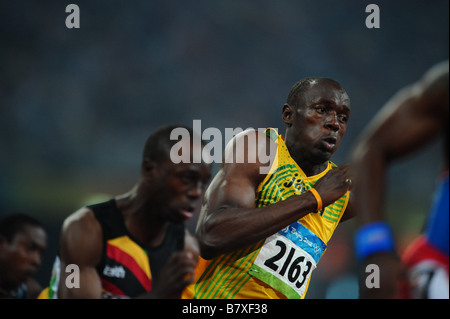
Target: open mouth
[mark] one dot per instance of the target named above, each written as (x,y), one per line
(329,143)
(188,212)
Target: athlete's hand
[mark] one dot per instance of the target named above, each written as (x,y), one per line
(334,184)
(176,275)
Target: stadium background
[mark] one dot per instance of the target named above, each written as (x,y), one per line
(76,105)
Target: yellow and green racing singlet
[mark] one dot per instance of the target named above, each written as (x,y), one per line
(279,266)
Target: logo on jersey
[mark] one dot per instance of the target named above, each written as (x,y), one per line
(116,271)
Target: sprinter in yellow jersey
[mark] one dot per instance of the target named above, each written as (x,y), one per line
(266,220)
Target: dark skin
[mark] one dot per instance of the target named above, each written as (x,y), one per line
(228,220)
(412,118)
(166,192)
(21,258)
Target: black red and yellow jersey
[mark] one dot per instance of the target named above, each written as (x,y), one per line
(127,268)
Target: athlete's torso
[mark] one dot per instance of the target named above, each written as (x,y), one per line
(127,268)
(280,266)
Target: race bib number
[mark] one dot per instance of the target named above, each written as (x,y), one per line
(287,258)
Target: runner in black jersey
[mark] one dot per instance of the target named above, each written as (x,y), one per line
(136,245)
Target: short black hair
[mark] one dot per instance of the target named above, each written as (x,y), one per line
(15,223)
(158,145)
(301,86)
